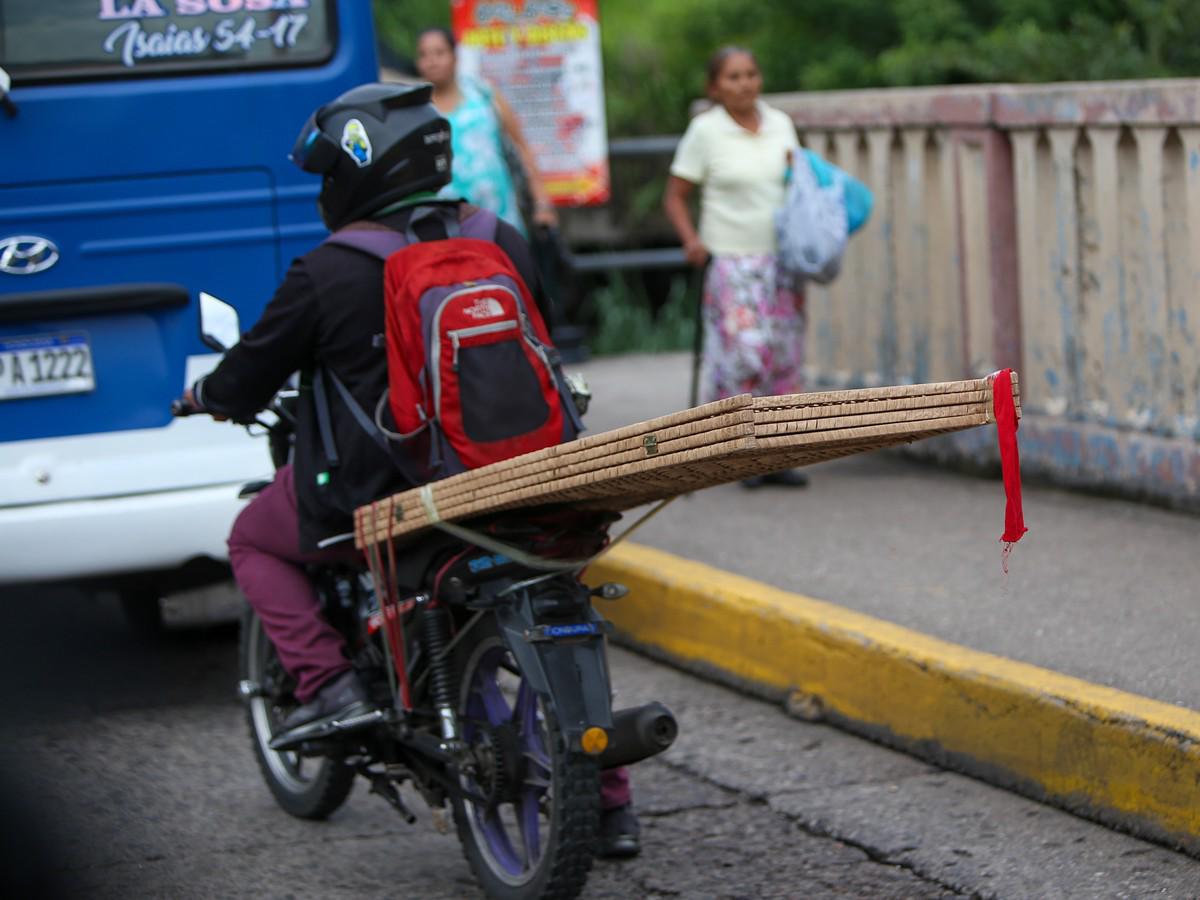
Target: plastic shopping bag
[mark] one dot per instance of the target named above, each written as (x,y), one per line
(822,207)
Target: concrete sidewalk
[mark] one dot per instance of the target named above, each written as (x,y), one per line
(1099,590)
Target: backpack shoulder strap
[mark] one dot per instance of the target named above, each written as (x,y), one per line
(481,224)
(439,213)
(379,242)
(324,421)
(373,428)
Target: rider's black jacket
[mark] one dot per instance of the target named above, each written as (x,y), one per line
(329,312)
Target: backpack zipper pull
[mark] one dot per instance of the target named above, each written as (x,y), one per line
(454,353)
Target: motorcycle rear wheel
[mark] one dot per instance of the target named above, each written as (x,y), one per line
(306,787)
(536,835)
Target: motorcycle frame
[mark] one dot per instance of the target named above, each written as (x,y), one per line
(570,671)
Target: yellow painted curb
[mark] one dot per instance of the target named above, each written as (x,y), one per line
(1117,757)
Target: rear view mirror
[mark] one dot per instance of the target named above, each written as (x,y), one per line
(5,100)
(219,327)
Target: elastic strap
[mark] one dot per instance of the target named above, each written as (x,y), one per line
(396,435)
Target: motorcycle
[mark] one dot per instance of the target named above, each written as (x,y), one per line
(489,682)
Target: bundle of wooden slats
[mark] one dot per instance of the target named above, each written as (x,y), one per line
(686,451)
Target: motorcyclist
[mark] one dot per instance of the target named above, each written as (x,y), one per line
(381,149)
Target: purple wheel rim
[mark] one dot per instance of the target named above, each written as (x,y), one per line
(514,842)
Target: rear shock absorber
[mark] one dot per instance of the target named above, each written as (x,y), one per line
(435,631)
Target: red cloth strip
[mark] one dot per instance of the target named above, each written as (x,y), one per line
(393,621)
(1010,460)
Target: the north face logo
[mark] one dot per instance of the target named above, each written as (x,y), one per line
(484,308)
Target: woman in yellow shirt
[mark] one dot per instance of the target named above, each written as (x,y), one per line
(738,152)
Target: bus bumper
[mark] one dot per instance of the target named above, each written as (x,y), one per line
(116,535)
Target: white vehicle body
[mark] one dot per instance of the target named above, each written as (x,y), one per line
(128,501)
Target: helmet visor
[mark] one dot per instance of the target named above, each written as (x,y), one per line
(313,151)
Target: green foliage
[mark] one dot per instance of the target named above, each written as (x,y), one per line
(946,41)
(626,324)
(655,53)
(398,22)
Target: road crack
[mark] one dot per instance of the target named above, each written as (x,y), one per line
(874,854)
(879,856)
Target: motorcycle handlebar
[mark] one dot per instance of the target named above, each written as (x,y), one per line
(182,408)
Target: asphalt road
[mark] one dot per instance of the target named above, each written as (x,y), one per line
(128,774)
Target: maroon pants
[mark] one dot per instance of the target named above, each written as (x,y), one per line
(264,550)
(269,568)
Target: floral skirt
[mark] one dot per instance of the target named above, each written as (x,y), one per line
(753,329)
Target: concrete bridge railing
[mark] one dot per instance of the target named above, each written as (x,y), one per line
(1054,229)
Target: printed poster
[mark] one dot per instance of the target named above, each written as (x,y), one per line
(544,56)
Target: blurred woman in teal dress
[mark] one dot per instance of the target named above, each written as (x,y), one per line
(480,122)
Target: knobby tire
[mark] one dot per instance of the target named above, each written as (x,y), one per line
(315,796)
(566,859)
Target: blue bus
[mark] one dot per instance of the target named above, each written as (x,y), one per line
(143,160)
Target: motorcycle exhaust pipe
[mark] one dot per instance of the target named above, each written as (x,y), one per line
(639,733)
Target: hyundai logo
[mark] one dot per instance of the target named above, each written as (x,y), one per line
(25,255)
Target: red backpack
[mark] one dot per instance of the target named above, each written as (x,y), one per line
(472,375)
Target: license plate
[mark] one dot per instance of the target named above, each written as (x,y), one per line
(45,364)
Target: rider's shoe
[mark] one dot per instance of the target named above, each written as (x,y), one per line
(339,698)
(620,833)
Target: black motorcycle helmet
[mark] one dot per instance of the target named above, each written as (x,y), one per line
(374,145)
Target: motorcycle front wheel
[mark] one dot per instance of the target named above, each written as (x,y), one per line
(305,787)
(530,810)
